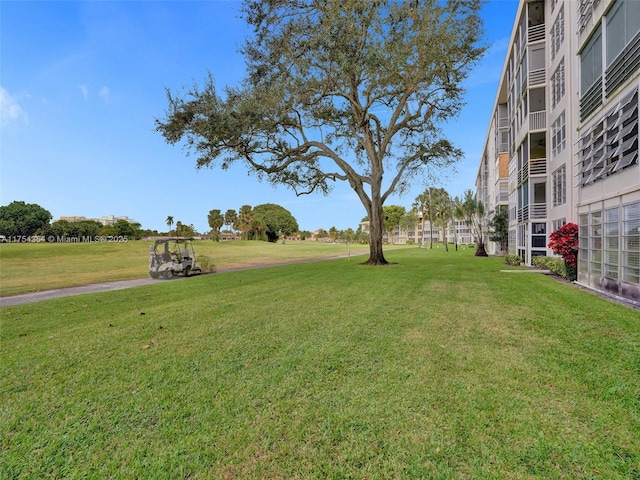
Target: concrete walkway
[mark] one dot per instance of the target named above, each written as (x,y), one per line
(140,282)
(71,291)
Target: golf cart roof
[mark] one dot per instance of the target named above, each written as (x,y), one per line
(160,241)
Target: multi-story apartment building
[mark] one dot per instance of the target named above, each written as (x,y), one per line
(112,220)
(421,234)
(569,92)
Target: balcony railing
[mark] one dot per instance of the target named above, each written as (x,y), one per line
(538,120)
(523,173)
(536,77)
(533,211)
(538,210)
(538,166)
(523,213)
(536,33)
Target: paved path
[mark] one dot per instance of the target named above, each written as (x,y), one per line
(70,291)
(120,285)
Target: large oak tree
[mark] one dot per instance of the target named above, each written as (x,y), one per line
(352,90)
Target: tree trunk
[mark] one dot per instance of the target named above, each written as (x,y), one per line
(376,228)
(455,234)
(480,251)
(430,234)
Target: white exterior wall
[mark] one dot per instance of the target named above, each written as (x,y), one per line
(601,184)
(607,193)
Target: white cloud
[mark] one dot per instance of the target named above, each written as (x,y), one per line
(85,91)
(10,109)
(104,94)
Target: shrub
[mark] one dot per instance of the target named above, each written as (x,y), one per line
(555,265)
(512,259)
(540,262)
(564,242)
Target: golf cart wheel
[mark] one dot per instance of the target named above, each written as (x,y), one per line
(154,274)
(168,273)
(187,271)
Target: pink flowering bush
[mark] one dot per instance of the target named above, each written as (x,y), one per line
(564,242)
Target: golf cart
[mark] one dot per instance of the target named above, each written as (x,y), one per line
(171,256)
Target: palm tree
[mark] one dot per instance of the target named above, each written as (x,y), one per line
(169,223)
(456,214)
(442,213)
(244,221)
(474,215)
(424,205)
(421,205)
(230,217)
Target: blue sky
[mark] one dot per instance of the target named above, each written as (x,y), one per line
(82,82)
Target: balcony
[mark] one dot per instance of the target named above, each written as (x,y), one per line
(536,33)
(537,77)
(536,166)
(538,210)
(523,214)
(538,120)
(535,211)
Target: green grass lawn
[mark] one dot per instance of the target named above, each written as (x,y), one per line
(439,366)
(28,267)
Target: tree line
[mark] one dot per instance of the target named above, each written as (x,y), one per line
(442,211)
(21,220)
(271,222)
(264,222)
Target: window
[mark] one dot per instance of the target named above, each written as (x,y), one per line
(558,135)
(631,244)
(557,84)
(591,62)
(559,179)
(556,224)
(615,31)
(623,23)
(557,33)
(512,241)
(585,12)
(591,75)
(583,243)
(595,243)
(611,236)
(609,245)
(538,235)
(611,145)
(623,35)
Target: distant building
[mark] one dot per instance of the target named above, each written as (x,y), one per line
(456,231)
(106,220)
(112,220)
(74,219)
